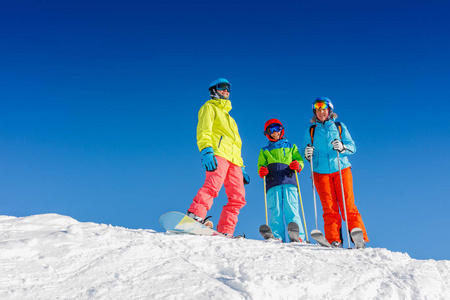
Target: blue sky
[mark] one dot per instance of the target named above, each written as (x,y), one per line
(99,102)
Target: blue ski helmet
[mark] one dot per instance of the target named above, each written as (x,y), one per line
(217,81)
(323,103)
(218,85)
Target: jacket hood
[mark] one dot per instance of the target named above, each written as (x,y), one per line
(221,103)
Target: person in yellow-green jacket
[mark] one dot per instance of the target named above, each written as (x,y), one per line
(220,147)
(277,164)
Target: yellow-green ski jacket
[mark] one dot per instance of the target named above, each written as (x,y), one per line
(217,129)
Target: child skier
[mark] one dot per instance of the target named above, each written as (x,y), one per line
(220,146)
(322,145)
(278,162)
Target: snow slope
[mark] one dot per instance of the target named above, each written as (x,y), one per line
(52,256)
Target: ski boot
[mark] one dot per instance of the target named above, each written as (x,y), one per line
(336,244)
(205,221)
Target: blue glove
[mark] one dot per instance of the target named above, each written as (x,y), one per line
(208,159)
(246,177)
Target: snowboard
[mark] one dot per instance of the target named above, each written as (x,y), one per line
(266,232)
(358,238)
(293,232)
(177,222)
(318,236)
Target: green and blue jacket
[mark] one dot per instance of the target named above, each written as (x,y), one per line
(276,157)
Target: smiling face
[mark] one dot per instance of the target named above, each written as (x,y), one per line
(276,135)
(322,114)
(224,93)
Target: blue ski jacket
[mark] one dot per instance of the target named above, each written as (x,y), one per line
(324,156)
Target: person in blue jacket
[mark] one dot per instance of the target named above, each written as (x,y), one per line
(321,143)
(278,162)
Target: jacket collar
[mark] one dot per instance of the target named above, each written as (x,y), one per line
(221,103)
(279,143)
(327,122)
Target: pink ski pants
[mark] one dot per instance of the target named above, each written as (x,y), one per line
(229,175)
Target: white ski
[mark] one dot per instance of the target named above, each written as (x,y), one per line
(293,232)
(358,238)
(318,236)
(266,232)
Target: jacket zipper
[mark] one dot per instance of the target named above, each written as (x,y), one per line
(326,143)
(220,141)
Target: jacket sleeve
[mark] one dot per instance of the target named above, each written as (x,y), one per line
(347,141)
(204,127)
(306,141)
(297,156)
(262,160)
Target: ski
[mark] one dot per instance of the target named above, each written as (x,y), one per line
(294,232)
(358,238)
(266,232)
(318,236)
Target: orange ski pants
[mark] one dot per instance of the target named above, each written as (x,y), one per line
(329,189)
(229,175)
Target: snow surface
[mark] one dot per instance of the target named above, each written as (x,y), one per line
(52,256)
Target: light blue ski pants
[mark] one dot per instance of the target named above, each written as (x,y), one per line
(283,205)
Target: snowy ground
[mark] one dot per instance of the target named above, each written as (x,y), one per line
(56,257)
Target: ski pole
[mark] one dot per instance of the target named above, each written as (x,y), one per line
(313,188)
(265,199)
(301,204)
(343,197)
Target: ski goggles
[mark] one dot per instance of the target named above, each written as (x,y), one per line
(321,104)
(274,128)
(223,86)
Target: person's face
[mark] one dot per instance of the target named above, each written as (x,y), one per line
(322,114)
(224,93)
(276,135)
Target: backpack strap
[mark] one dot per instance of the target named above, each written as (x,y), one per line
(312,128)
(339,128)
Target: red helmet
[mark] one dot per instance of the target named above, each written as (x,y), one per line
(270,124)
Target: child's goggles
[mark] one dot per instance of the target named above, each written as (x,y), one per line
(274,128)
(223,86)
(321,104)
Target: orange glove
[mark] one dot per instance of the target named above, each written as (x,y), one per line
(295,165)
(263,171)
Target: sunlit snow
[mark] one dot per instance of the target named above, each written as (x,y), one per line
(52,256)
